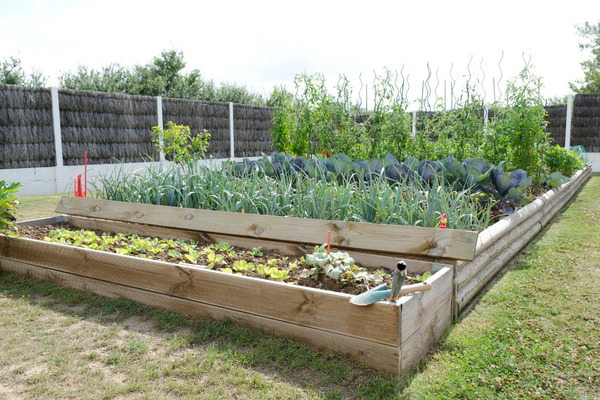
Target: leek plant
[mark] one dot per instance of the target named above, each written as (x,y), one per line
(297,195)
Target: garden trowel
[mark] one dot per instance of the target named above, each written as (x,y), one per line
(381,292)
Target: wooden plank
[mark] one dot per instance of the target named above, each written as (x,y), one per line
(494,232)
(290,249)
(464,295)
(447,243)
(43,221)
(553,208)
(490,235)
(307,306)
(416,347)
(468,284)
(373,354)
(467,271)
(416,309)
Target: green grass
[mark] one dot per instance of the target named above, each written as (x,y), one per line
(33,207)
(533,335)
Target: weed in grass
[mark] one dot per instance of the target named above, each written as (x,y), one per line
(135,347)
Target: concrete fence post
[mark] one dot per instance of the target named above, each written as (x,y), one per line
(159,120)
(486,117)
(231,133)
(568,124)
(56,127)
(58,170)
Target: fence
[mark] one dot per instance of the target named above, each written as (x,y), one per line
(44,133)
(42,127)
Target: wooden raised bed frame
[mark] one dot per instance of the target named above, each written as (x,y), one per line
(387,336)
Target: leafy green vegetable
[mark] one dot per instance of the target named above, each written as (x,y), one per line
(8,203)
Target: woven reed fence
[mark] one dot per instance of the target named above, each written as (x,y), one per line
(108,126)
(26,134)
(254,124)
(585,125)
(557,121)
(115,127)
(214,117)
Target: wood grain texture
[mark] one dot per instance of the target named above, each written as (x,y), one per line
(473,286)
(500,242)
(375,355)
(443,243)
(467,271)
(416,346)
(416,309)
(301,305)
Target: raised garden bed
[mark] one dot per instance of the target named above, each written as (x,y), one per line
(500,242)
(387,336)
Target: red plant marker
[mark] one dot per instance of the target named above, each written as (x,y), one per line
(444,221)
(79,191)
(328,241)
(85,179)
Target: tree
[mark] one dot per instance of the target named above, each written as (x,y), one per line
(163,76)
(112,79)
(591,68)
(11,73)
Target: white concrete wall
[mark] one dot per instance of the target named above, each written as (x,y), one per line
(53,180)
(595,158)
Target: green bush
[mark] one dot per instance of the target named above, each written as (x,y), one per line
(8,203)
(518,129)
(316,122)
(562,160)
(177,142)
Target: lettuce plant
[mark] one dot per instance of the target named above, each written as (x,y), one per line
(339,266)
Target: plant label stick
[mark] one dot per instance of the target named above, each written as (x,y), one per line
(328,241)
(85,178)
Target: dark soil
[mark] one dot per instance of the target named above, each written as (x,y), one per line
(296,276)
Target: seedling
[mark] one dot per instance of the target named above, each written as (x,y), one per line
(256,252)
(242,265)
(422,278)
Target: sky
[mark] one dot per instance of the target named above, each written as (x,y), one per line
(263,43)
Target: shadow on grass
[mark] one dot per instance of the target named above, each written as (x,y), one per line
(334,374)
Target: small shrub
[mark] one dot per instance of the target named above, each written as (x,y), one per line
(562,160)
(8,203)
(177,142)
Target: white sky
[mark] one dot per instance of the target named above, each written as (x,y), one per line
(262,43)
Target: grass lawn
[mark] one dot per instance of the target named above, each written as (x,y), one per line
(33,207)
(534,335)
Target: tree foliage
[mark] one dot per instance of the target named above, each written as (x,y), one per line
(12,73)
(163,76)
(591,68)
